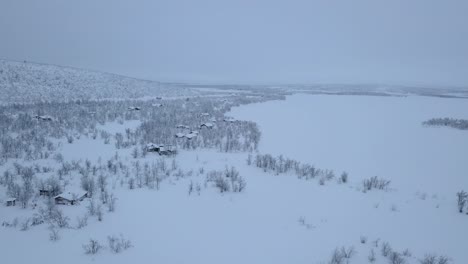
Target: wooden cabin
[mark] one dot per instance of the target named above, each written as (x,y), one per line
(207,125)
(11,202)
(70,197)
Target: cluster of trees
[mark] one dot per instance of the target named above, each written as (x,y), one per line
(19,183)
(461,124)
(23,136)
(228,180)
(282,165)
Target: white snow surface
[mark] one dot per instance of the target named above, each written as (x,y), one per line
(369,136)
(364,135)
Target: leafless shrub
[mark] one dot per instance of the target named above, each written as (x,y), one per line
(344,177)
(81,221)
(190,188)
(54,234)
(434,259)
(386,249)
(407,253)
(58,218)
(375,183)
(92,247)
(396,258)
(111,203)
(25,225)
(348,253)
(339,256)
(322,181)
(371,256)
(118,244)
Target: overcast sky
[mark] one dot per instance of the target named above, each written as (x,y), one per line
(246,41)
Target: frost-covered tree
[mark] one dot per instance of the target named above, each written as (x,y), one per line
(462,198)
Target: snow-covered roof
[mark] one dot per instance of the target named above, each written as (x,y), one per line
(43,117)
(190,135)
(11,199)
(72,194)
(207,124)
(152,145)
(179,135)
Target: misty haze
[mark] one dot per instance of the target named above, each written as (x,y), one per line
(323,132)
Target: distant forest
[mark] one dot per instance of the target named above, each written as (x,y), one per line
(448,122)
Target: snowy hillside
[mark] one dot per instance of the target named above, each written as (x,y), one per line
(186,173)
(25,82)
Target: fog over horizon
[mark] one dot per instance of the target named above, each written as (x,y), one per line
(418,42)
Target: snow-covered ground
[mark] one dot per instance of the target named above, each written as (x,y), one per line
(278,218)
(367,136)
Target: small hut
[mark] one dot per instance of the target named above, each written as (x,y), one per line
(207,125)
(70,197)
(11,202)
(43,118)
(161,149)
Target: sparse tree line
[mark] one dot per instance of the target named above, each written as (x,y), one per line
(383,251)
(461,124)
(281,165)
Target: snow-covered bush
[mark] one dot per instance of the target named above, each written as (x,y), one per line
(375,183)
(372,258)
(344,177)
(396,258)
(386,249)
(93,247)
(54,234)
(81,221)
(118,244)
(227,180)
(342,255)
(434,259)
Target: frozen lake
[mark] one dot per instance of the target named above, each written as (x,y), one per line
(367,136)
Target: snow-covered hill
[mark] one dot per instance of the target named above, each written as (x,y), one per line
(25,82)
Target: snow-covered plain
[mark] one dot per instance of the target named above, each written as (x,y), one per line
(280,218)
(368,136)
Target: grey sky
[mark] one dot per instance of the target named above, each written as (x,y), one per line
(246,41)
